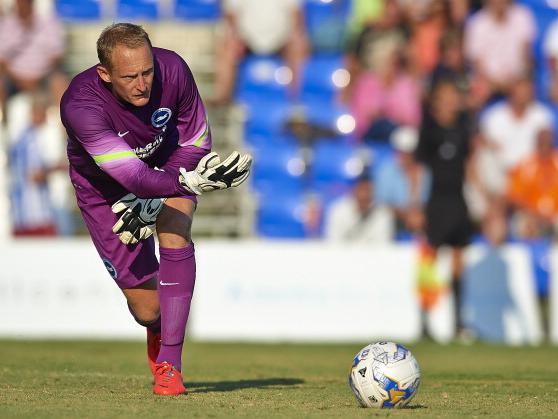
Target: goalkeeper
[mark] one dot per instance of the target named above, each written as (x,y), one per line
(139,151)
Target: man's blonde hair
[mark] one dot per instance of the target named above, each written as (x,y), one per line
(127,34)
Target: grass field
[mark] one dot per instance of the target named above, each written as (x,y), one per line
(110,379)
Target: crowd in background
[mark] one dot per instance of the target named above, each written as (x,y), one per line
(448,84)
(32,82)
(409,61)
(457,77)
(453,88)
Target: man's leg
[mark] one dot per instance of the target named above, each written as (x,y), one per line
(230,50)
(143,303)
(177,274)
(456,278)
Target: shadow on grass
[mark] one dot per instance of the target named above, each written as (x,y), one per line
(221,386)
(416,406)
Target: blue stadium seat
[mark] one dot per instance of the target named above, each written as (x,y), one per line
(330,115)
(326,22)
(321,78)
(281,215)
(278,168)
(257,141)
(335,166)
(197,10)
(71,10)
(261,77)
(266,118)
(138,9)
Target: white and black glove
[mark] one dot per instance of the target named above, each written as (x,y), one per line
(138,221)
(212,174)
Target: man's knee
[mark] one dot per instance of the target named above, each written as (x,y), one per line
(144,316)
(174,223)
(143,302)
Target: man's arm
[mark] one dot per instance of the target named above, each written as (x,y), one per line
(113,155)
(136,176)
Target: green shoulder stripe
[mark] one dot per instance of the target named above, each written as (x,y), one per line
(202,137)
(103,158)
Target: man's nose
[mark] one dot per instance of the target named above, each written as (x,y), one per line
(141,83)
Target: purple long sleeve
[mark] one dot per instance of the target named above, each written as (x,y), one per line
(143,181)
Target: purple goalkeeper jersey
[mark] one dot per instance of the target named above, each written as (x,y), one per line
(115,147)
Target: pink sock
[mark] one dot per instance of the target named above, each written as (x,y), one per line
(177,275)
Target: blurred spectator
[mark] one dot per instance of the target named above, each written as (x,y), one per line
(386,99)
(444,148)
(364,13)
(428,24)
(452,66)
(533,189)
(262,28)
(402,183)
(30,52)
(312,216)
(550,48)
(509,130)
(494,225)
(532,194)
(358,218)
(498,41)
(32,209)
(487,297)
(452,62)
(375,43)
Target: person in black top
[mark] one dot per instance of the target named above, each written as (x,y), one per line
(445,143)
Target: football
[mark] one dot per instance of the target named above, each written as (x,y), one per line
(384,375)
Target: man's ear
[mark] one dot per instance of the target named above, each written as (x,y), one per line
(103,73)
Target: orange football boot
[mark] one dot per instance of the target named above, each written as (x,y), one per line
(153,346)
(168,380)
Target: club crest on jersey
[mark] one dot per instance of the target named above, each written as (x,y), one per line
(160,117)
(110,268)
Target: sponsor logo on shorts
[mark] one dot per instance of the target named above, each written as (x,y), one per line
(161,117)
(110,268)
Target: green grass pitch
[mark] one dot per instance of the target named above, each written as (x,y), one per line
(82,379)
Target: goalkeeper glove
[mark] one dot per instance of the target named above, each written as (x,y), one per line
(138,221)
(212,174)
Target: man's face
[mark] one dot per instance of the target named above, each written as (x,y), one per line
(521,93)
(24,8)
(363,194)
(498,7)
(131,75)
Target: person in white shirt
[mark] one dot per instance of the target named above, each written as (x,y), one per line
(509,131)
(497,44)
(357,218)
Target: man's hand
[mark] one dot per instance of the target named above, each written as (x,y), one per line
(138,221)
(212,174)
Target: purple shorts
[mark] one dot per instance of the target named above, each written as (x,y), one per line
(128,265)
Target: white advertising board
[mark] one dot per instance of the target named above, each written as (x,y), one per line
(60,288)
(305,291)
(260,291)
